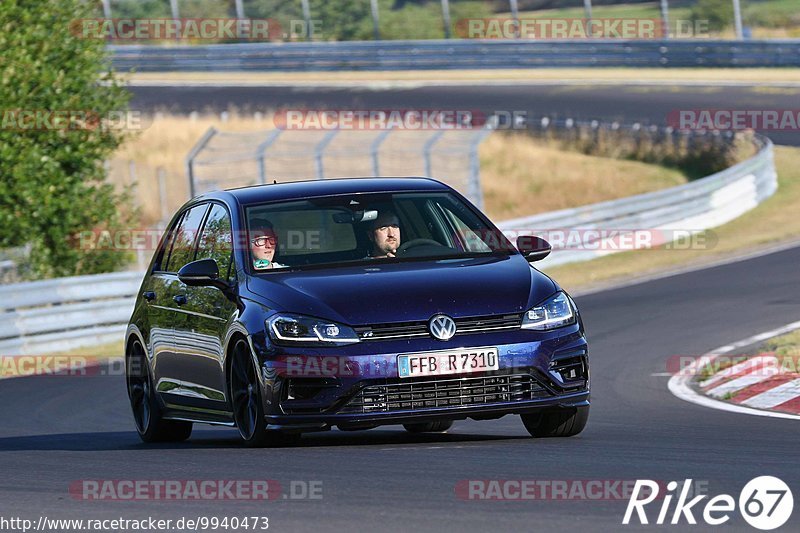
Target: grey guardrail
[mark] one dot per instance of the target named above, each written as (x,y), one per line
(39,317)
(43,316)
(590,231)
(456,54)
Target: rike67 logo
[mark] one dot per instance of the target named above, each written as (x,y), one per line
(765,503)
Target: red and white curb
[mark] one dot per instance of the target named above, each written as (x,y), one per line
(757,386)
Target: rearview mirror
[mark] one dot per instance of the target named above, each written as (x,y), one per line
(200,273)
(533,248)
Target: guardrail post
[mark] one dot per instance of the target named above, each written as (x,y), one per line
(587,7)
(375,26)
(193,154)
(262,152)
(318,152)
(427,151)
(307,18)
(515,17)
(239,9)
(737,19)
(374,151)
(665,18)
(446,18)
(475,191)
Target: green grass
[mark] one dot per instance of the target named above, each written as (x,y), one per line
(786,345)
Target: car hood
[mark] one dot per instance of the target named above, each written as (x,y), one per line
(384,292)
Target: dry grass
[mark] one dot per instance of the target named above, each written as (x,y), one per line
(785,346)
(524,176)
(520,175)
(164,142)
(772,222)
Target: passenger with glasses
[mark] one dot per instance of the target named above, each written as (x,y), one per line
(263,245)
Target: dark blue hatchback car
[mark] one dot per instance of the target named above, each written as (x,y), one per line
(289,308)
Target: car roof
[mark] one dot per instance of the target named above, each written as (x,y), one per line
(297,190)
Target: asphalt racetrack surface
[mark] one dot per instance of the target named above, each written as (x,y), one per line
(624,103)
(59,430)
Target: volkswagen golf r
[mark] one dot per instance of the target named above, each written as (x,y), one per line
(289,308)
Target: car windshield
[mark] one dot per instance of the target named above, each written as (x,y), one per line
(356,228)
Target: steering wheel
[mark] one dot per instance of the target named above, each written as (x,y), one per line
(416,243)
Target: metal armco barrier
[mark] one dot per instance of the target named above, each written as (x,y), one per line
(456,54)
(682,210)
(60,314)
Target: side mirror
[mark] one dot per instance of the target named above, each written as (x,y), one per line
(532,248)
(202,273)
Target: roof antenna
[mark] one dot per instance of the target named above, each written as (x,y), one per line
(274,182)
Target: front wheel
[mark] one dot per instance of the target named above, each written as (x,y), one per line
(248,410)
(146,412)
(429,427)
(558,422)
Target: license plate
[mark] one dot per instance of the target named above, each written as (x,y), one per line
(445,362)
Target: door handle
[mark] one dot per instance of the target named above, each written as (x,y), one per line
(149,295)
(179,299)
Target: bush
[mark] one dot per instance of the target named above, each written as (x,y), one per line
(52,179)
(718,13)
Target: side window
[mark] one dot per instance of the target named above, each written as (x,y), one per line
(182,251)
(216,241)
(166,246)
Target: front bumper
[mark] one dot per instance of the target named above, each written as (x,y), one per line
(316,391)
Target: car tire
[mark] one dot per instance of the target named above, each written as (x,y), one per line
(429,427)
(248,408)
(150,425)
(559,422)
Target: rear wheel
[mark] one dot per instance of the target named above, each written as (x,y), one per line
(559,422)
(146,412)
(248,409)
(429,427)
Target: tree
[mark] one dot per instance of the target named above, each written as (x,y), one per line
(52,178)
(718,13)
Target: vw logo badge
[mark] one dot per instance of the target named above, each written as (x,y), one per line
(442,327)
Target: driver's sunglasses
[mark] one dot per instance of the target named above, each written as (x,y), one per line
(262,241)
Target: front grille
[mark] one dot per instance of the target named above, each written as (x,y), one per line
(418,394)
(398,330)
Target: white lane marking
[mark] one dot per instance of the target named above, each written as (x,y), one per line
(739,368)
(679,385)
(741,383)
(775,396)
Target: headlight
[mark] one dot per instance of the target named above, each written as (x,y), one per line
(285,328)
(555,312)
